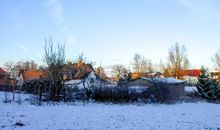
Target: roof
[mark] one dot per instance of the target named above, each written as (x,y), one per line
(136,75)
(80,70)
(215,73)
(192,72)
(32,74)
(2,71)
(167,80)
(162,80)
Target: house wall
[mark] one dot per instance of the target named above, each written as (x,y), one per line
(170,92)
(175,92)
(6,84)
(3,81)
(92,80)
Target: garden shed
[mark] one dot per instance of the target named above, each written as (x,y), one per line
(160,89)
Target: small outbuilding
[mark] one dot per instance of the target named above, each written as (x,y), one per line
(159,89)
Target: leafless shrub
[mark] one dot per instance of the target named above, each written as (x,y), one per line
(6,98)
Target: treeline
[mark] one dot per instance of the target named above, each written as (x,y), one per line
(176,62)
(55,60)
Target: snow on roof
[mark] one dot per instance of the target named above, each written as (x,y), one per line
(73,82)
(165,80)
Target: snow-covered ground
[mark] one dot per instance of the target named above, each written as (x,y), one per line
(99,116)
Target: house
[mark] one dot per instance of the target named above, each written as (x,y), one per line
(192,73)
(136,75)
(183,74)
(77,70)
(88,81)
(215,74)
(3,77)
(31,74)
(5,82)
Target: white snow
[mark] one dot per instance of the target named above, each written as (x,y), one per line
(169,80)
(91,80)
(190,89)
(137,89)
(73,82)
(165,80)
(99,116)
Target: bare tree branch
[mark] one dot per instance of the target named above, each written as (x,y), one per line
(177,60)
(216,59)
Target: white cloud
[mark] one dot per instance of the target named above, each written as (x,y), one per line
(22,46)
(203,9)
(55,10)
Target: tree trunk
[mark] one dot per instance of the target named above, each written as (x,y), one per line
(40,94)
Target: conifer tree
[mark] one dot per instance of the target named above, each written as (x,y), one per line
(207,87)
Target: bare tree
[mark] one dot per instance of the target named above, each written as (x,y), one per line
(146,65)
(216,59)
(33,65)
(25,65)
(82,64)
(101,73)
(12,73)
(119,71)
(141,64)
(160,66)
(83,59)
(55,59)
(137,62)
(177,60)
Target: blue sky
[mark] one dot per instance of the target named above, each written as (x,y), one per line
(110,31)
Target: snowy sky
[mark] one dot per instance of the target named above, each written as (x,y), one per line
(110,31)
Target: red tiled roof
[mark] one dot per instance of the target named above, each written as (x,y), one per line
(32,74)
(2,71)
(194,72)
(80,69)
